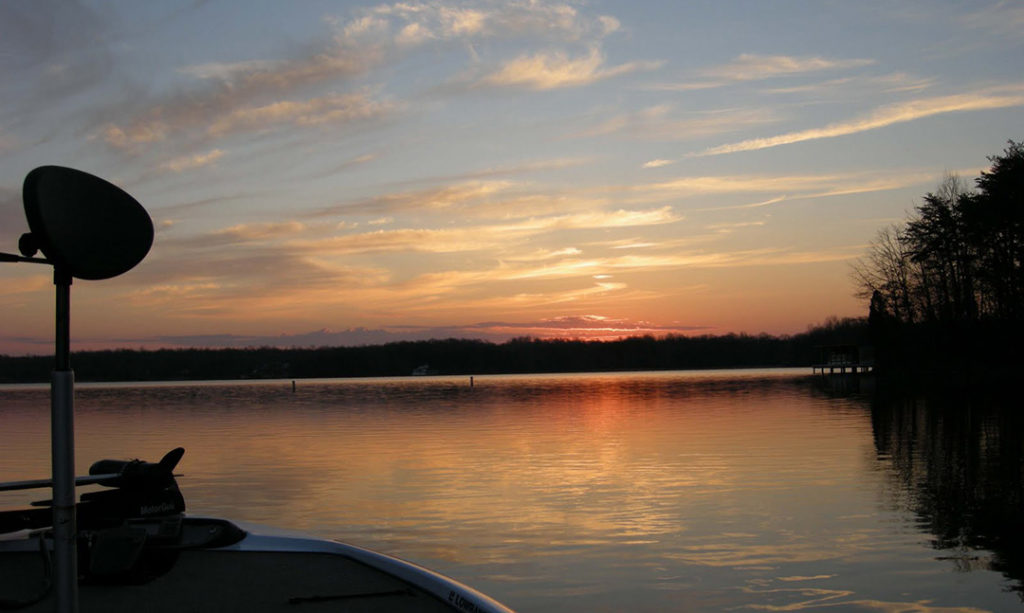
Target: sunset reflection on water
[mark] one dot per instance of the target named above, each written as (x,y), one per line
(625,492)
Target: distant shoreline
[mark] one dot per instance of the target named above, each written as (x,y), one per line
(795,372)
(443,357)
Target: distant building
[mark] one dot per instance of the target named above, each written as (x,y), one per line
(423,370)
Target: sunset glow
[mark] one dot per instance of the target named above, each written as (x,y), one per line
(334,173)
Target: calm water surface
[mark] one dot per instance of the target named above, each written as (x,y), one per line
(703,491)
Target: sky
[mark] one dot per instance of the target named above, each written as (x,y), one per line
(344,173)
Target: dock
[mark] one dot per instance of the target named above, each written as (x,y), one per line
(844,359)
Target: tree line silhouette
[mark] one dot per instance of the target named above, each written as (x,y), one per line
(448,357)
(946,287)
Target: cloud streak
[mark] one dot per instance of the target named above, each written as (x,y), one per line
(317,89)
(662,123)
(750,66)
(528,204)
(900,112)
(454,282)
(817,184)
(476,238)
(197,160)
(411,23)
(555,69)
(754,67)
(337,108)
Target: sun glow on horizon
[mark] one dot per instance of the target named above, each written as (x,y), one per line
(392,170)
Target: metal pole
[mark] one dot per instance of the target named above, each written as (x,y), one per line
(62,451)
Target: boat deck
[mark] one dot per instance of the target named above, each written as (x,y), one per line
(212,580)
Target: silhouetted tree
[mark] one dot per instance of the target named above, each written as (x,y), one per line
(944,254)
(960,257)
(998,230)
(888,270)
(952,276)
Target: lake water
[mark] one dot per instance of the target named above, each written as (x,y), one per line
(678,491)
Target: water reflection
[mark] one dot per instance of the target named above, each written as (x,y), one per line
(625,492)
(956,459)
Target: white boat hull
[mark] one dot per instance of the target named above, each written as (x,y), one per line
(260,572)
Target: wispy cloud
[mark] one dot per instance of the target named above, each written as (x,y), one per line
(900,112)
(416,22)
(750,66)
(331,109)
(271,282)
(248,94)
(539,255)
(754,67)
(260,231)
(751,205)
(405,240)
(728,228)
(780,187)
(620,218)
(595,294)
(474,198)
(264,94)
(583,269)
(1005,17)
(402,26)
(25,285)
(528,205)
(737,184)
(136,132)
(229,72)
(197,160)
(663,122)
(209,281)
(631,244)
(454,196)
(856,86)
(338,108)
(274,267)
(475,238)
(556,69)
(502,170)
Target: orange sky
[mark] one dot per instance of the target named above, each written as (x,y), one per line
(364,172)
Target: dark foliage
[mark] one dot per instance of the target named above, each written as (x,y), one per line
(947,287)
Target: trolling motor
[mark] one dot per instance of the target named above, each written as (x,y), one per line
(140,490)
(132,532)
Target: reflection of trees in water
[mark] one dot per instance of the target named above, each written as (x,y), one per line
(959,458)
